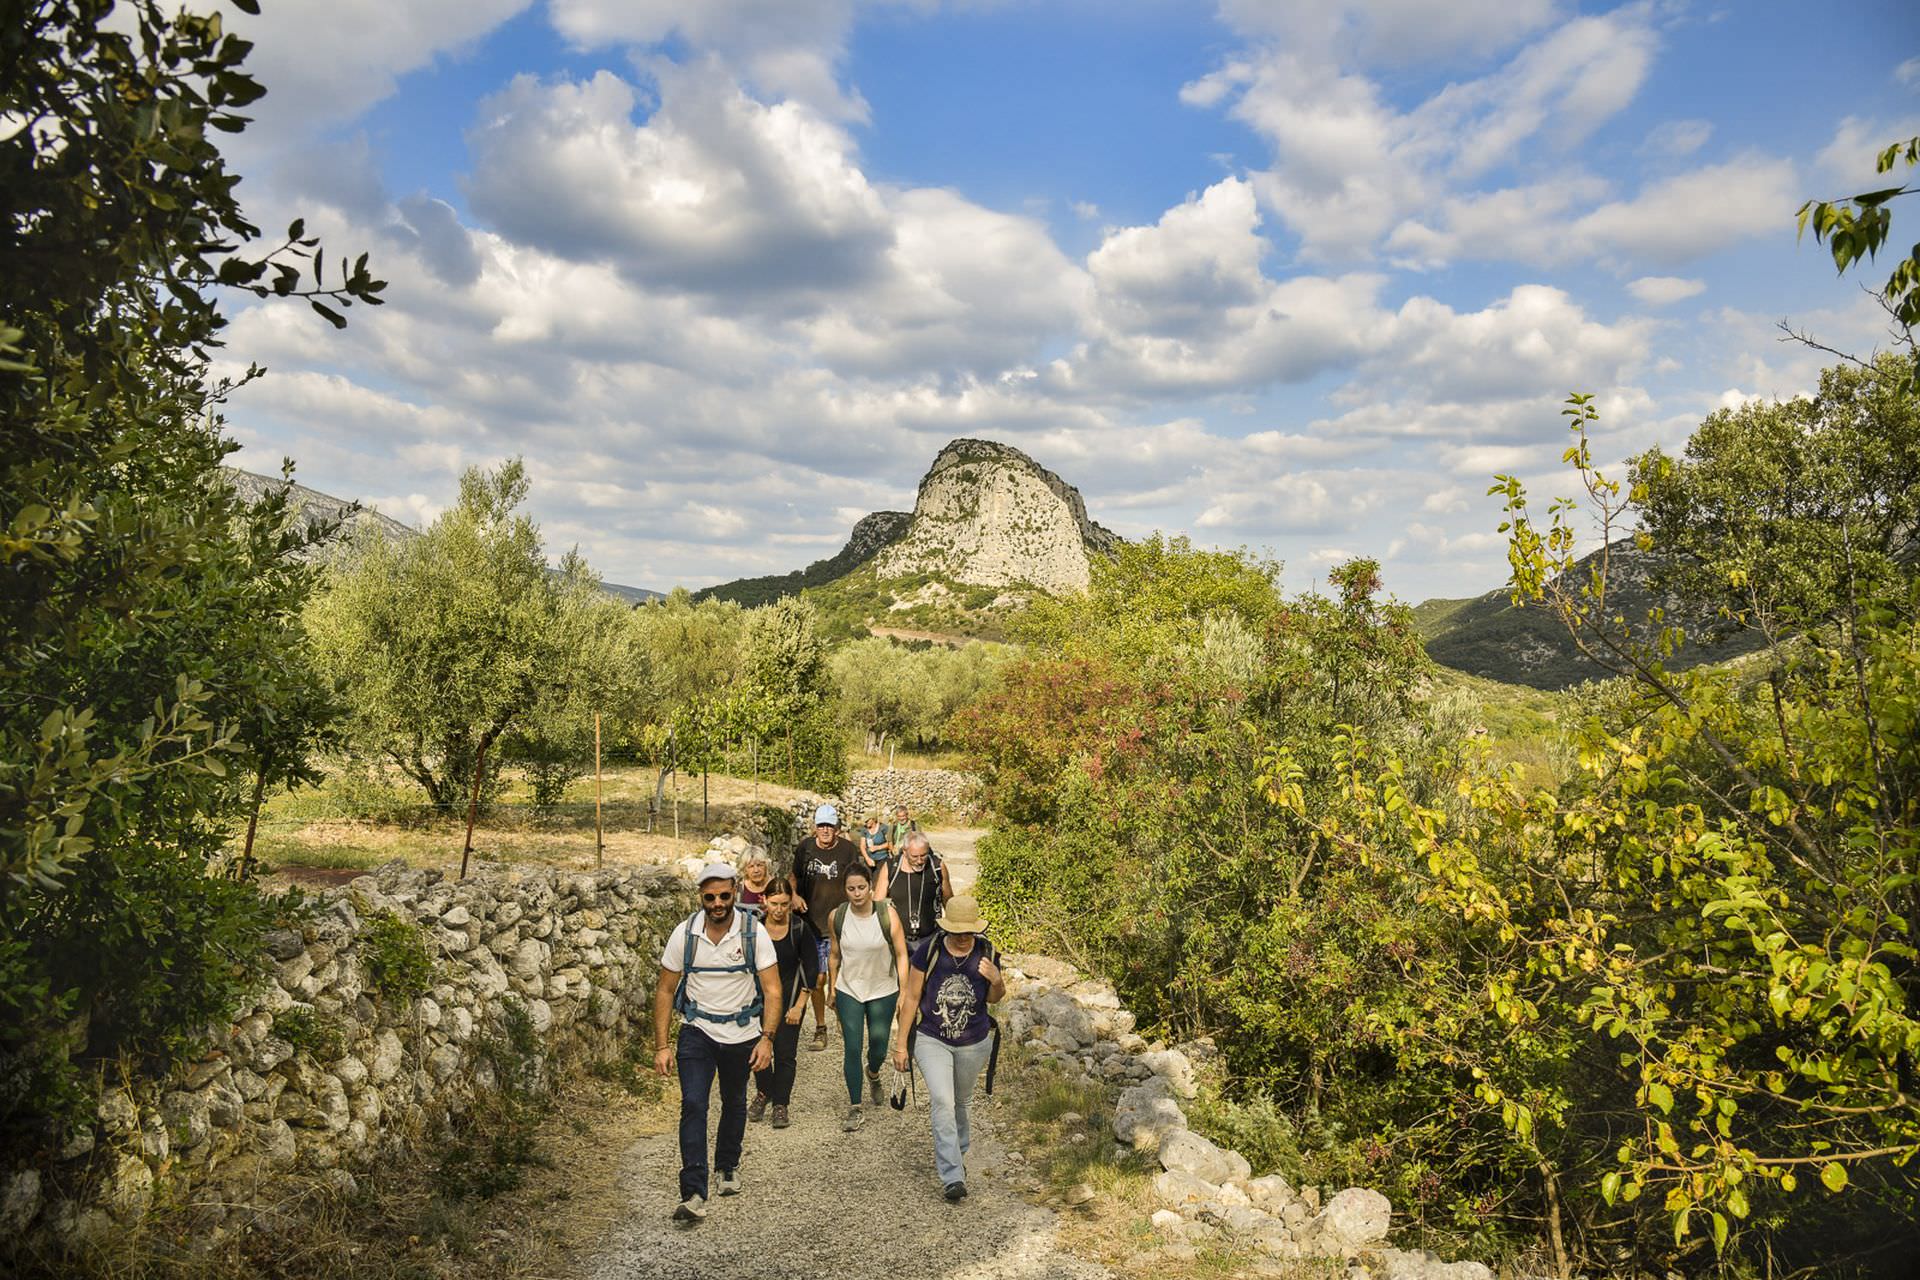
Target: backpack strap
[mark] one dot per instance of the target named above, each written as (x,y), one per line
(883,911)
(683,1003)
(838,920)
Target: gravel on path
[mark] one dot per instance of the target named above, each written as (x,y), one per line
(817,1202)
(957,845)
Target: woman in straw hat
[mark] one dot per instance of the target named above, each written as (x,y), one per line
(951,979)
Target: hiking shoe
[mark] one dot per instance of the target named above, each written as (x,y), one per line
(819,1037)
(780,1118)
(855,1118)
(956,1191)
(729,1182)
(757,1111)
(692,1209)
(873,1085)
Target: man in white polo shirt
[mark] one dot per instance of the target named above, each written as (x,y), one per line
(719,973)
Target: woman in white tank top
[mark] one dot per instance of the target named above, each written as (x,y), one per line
(866,955)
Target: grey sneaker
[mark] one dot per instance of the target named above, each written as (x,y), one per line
(873,1085)
(729,1182)
(692,1209)
(780,1118)
(855,1118)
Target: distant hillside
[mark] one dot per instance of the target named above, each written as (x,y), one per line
(871,536)
(316,507)
(1487,636)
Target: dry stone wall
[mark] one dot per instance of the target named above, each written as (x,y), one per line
(328,1071)
(923,791)
(1208,1195)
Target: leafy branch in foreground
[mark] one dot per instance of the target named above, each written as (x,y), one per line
(1725,901)
(151,660)
(1855,228)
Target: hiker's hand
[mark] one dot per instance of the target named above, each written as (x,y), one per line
(663,1060)
(762,1055)
(989,971)
(796,1013)
(799,904)
(899,1059)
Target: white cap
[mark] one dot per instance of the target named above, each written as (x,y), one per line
(718,871)
(826,815)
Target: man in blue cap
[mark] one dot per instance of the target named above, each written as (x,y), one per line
(719,972)
(819,877)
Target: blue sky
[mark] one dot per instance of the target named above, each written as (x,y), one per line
(728,273)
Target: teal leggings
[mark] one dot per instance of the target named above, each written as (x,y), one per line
(876,1018)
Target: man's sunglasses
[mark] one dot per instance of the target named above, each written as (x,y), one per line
(716,898)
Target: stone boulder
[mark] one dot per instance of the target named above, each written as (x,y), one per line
(1270,1192)
(1177,1187)
(1145,1114)
(1187,1152)
(1354,1219)
(1174,1067)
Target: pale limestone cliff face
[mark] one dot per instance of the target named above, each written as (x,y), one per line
(988,515)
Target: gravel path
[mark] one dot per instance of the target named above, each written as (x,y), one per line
(816,1202)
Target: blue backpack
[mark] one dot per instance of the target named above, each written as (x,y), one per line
(749,938)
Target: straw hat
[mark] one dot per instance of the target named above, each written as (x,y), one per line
(962,916)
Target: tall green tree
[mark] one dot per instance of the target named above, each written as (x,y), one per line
(444,643)
(787,681)
(1777,511)
(149,652)
(605,676)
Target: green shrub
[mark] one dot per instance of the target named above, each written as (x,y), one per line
(488,1151)
(398,960)
(1256,1128)
(311,1032)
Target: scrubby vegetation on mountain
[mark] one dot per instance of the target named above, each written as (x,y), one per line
(854,606)
(350,520)
(1488,636)
(872,535)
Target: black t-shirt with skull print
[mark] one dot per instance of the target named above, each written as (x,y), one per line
(953,998)
(820,876)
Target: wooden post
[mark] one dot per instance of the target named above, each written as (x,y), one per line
(599,839)
(703,797)
(756,768)
(473,803)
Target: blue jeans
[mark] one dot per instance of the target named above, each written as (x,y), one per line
(699,1059)
(950,1074)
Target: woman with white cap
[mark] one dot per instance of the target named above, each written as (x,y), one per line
(951,978)
(819,878)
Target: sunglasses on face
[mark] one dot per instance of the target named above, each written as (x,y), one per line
(716,899)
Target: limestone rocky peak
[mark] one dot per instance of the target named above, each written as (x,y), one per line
(989,515)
